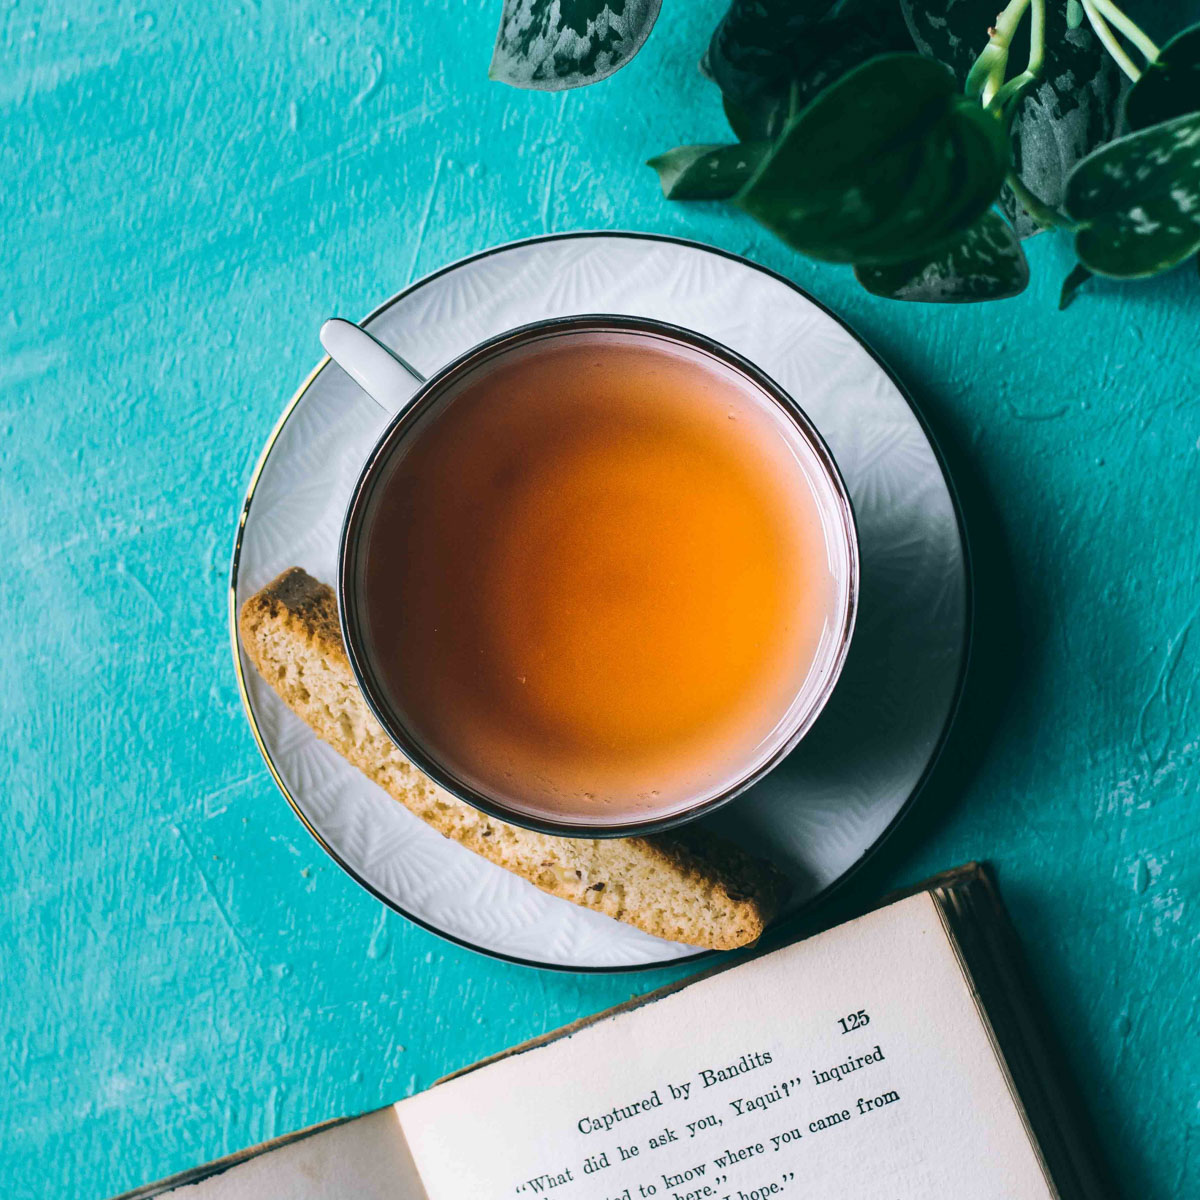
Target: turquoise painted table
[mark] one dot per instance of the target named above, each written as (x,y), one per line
(187,191)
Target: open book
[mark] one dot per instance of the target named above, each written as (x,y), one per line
(893,1057)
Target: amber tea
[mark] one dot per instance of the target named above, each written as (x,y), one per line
(598,576)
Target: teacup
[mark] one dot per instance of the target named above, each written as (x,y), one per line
(598,575)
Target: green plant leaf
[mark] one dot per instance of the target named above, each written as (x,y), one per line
(1074,281)
(985,263)
(1071,111)
(753,124)
(889,164)
(761,117)
(1170,85)
(1136,201)
(551,45)
(707,172)
(770,57)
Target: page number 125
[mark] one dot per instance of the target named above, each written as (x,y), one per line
(855,1020)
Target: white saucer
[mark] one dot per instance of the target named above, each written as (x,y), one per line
(828,805)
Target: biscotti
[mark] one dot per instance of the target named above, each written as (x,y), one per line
(687,887)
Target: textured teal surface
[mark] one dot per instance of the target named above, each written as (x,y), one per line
(187,190)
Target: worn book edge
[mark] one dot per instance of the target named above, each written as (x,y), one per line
(984,939)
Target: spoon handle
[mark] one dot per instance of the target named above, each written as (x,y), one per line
(379,371)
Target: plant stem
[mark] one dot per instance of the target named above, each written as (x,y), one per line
(1112,13)
(1109,41)
(987,74)
(1012,91)
(1037,37)
(1046,216)
(1005,98)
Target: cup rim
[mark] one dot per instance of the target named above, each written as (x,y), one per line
(398,427)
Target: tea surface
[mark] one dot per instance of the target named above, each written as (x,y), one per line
(596,577)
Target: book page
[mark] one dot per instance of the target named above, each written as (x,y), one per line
(850,1066)
(365,1158)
